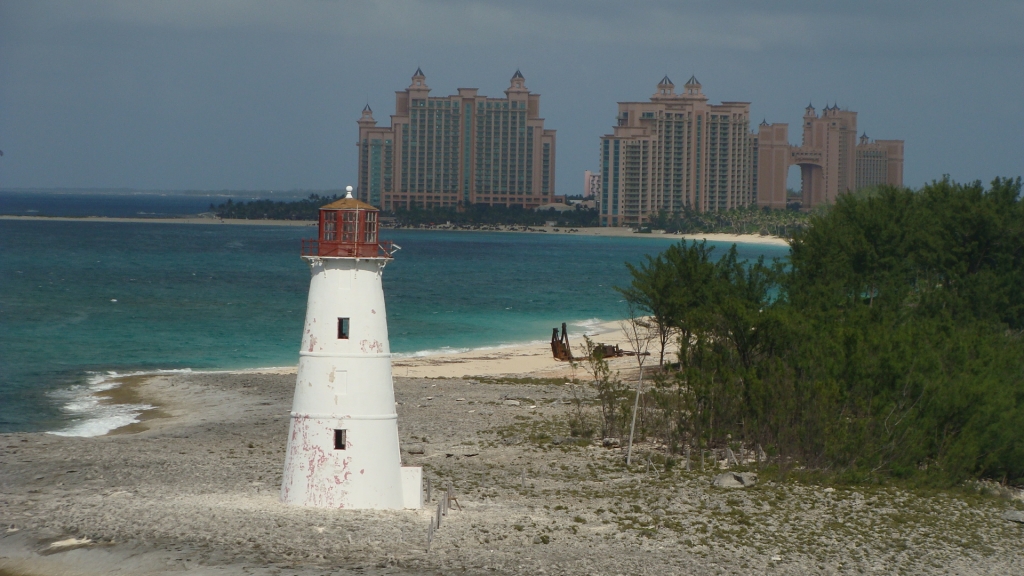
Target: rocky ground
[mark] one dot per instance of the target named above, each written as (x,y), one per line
(195,490)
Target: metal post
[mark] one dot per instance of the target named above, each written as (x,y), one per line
(632,424)
(430,534)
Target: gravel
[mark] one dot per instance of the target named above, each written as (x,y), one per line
(196,491)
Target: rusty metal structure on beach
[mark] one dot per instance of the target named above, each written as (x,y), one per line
(561,350)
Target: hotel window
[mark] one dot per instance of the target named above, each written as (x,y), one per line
(340,439)
(342,328)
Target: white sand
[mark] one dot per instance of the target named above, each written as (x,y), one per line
(534,359)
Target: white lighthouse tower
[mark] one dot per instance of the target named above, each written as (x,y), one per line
(343,449)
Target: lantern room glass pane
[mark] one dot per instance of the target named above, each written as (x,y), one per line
(330,225)
(350,226)
(370,233)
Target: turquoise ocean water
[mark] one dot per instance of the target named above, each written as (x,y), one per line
(82,300)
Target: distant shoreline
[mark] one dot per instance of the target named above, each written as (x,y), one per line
(592,231)
(182,220)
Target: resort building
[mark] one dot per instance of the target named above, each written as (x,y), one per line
(676,152)
(879,162)
(830,158)
(457,150)
(591,184)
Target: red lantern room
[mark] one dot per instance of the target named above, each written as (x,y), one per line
(348,229)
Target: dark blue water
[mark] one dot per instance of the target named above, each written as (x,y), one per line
(79,299)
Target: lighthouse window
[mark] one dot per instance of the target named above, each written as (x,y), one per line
(339,439)
(342,328)
(330,225)
(348,229)
(370,234)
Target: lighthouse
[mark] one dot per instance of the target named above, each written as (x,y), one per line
(343,448)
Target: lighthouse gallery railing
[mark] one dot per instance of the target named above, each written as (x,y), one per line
(381,249)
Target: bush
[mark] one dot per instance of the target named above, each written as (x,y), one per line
(889,345)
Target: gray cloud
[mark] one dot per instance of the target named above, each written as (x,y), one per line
(242,94)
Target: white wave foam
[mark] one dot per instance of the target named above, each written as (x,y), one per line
(432,352)
(589,327)
(90,415)
(448,350)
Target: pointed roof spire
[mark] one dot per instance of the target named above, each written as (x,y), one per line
(764,122)
(693,81)
(518,74)
(419,80)
(367,116)
(666,81)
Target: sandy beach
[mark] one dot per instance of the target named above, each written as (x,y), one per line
(594,231)
(193,489)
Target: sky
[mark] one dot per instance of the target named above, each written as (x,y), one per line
(254,95)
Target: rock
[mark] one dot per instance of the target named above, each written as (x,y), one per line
(1014,516)
(557,440)
(658,513)
(511,402)
(610,442)
(735,480)
(415,449)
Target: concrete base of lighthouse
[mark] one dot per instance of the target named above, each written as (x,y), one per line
(318,475)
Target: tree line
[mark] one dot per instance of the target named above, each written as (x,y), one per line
(487,215)
(751,220)
(888,344)
(782,223)
(470,215)
(304,209)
